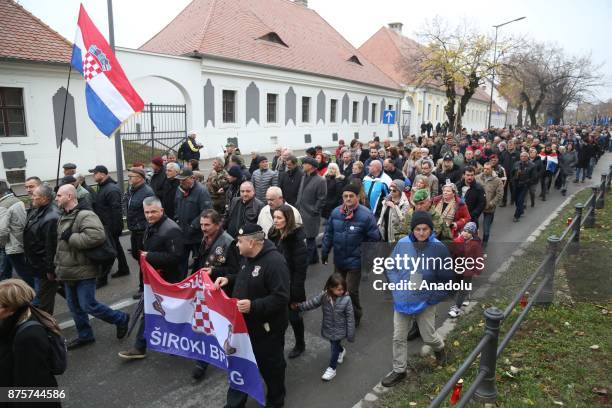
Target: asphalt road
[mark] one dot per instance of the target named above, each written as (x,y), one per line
(96,377)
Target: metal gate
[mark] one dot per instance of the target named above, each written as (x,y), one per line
(156,131)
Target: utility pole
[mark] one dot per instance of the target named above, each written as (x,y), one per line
(495,64)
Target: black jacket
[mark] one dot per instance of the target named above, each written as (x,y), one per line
(25,360)
(395,175)
(221,256)
(264,280)
(40,238)
(454,175)
(136,220)
(167,196)
(293,248)
(524,173)
(157,182)
(334,195)
(188,209)
(289,183)
(233,191)
(475,198)
(108,206)
(240,214)
(346,169)
(163,242)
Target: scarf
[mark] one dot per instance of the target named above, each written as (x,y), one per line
(347,211)
(448,213)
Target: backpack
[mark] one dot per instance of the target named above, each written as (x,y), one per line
(58,357)
(103,253)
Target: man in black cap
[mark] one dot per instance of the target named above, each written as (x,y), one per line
(191,199)
(235,177)
(449,173)
(261,286)
(69,169)
(108,207)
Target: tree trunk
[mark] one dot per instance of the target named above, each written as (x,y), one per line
(449,108)
(519,119)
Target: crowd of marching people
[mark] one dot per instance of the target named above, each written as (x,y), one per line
(437,187)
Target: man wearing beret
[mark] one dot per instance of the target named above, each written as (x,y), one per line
(261,286)
(422,202)
(348,226)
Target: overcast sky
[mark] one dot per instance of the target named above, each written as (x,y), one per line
(579,27)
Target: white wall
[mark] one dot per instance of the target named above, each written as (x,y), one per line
(40,82)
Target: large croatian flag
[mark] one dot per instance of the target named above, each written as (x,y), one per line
(110,96)
(194,320)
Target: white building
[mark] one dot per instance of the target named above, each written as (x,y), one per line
(260,73)
(390,50)
(33,77)
(263,73)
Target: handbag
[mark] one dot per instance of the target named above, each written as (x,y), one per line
(103,253)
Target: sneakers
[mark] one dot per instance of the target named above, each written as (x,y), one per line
(329,374)
(198,372)
(465,303)
(122,328)
(133,354)
(454,311)
(341,355)
(392,379)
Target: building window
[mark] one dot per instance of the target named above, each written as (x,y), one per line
(356,135)
(333,105)
(229,106)
(355,111)
(307,138)
(374,110)
(305,109)
(334,137)
(272,108)
(12,113)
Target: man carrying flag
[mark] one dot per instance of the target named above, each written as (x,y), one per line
(261,286)
(110,97)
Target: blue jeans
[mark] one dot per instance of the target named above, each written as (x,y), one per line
(487,221)
(18,262)
(6,270)
(336,349)
(580,172)
(81,299)
(521,192)
(590,168)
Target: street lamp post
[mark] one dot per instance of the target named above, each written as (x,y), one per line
(494,65)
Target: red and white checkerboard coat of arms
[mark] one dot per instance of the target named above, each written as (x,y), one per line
(91,66)
(200,322)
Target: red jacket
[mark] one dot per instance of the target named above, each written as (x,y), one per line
(462,215)
(471,249)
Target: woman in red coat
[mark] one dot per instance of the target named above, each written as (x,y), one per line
(452,209)
(322,167)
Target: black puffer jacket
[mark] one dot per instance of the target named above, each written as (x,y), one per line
(264,279)
(293,248)
(136,220)
(163,242)
(108,206)
(157,181)
(168,196)
(188,209)
(40,238)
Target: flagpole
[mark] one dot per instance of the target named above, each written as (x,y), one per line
(118,147)
(61,143)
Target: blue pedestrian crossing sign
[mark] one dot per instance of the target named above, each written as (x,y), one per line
(389,117)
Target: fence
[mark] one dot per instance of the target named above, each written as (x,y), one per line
(483,388)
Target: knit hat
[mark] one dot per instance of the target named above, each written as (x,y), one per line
(235,171)
(420,195)
(399,184)
(311,161)
(138,171)
(448,157)
(261,158)
(419,218)
(471,227)
(158,161)
(352,188)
